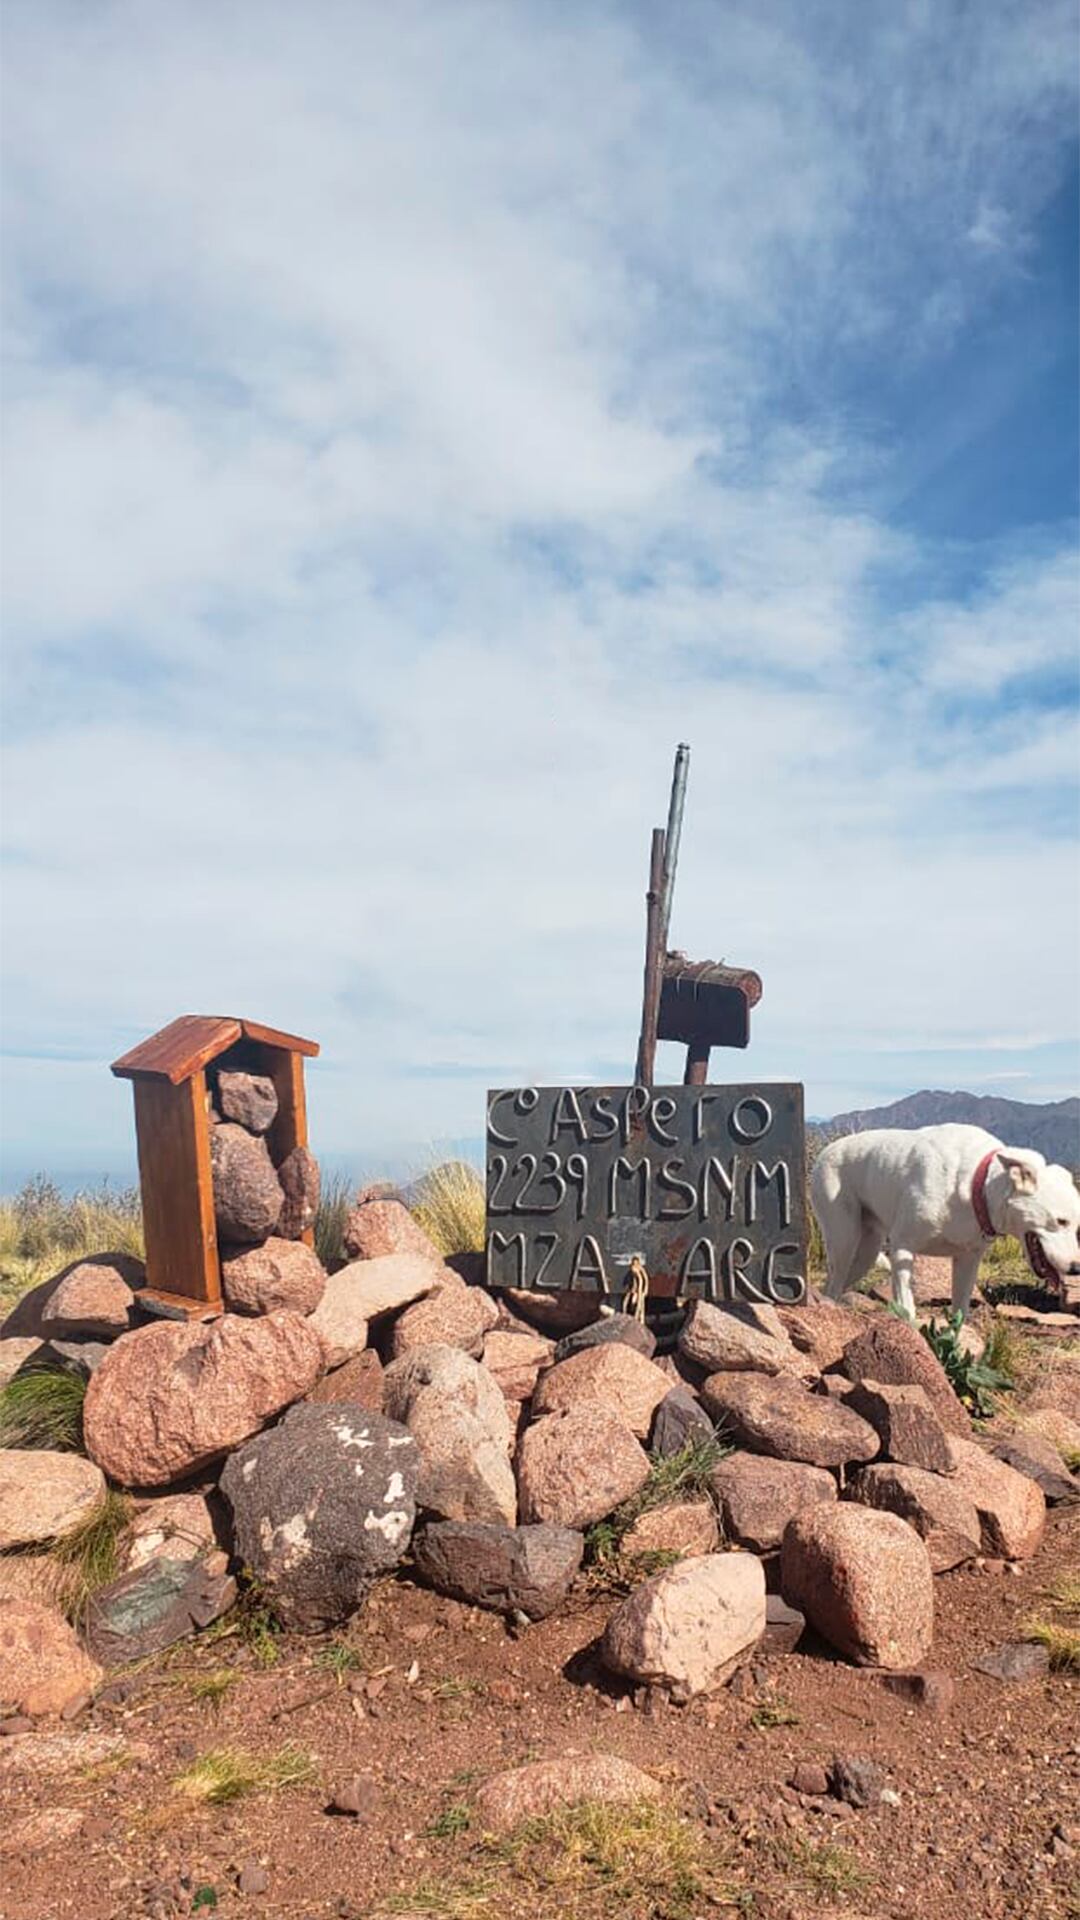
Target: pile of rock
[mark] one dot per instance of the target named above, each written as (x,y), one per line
(327,1426)
(260,1210)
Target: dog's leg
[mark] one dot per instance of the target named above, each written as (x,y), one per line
(965,1272)
(871,1241)
(840,1232)
(902,1263)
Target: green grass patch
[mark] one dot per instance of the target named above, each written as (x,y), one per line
(338,1658)
(821,1867)
(43,1407)
(213,1686)
(773,1713)
(227,1773)
(451,1823)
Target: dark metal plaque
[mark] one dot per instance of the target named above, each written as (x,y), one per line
(705,1185)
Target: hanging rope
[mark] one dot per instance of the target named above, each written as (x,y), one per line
(637,1290)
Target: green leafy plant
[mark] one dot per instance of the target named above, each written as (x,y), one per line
(43,1407)
(974,1381)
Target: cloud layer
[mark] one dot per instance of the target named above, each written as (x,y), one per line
(420,419)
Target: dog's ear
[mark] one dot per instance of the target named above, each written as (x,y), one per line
(1023,1175)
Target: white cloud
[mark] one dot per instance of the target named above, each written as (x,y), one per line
(399,465)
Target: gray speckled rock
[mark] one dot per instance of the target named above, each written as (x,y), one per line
(322,1504)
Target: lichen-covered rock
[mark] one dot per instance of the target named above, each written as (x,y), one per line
(44,1495)
(248,1098)
(279,1273)
(615,1374)
(577,1466)
(942,1514)
(780,1416)
(687,1627)
(458,1417)
(509,1569)
(171,1397)
(301,1183)
(322,1504)
(43,1668)
(1011,1508)
(529,1793)
(864,1582)
(757,1497)
(247,1192)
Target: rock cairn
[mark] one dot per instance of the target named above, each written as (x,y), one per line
(327,1429)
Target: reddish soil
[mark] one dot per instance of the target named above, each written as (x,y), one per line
(988,1821)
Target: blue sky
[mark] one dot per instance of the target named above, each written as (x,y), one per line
(419,419)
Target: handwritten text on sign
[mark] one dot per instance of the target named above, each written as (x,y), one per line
(704,1185)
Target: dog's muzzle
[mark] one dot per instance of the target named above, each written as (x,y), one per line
(1041,1267)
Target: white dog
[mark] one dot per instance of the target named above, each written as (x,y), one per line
(945,1190)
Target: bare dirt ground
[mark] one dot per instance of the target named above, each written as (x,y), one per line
(423,1698)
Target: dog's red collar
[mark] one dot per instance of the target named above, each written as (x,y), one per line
(978,1196)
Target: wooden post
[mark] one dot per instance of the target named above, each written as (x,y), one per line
(650,1006)
(697,1064)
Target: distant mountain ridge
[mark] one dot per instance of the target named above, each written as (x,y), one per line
(1052,1128)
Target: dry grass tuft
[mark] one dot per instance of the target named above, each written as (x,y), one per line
(43,1230)
(592,1862)
(1060,1637)
(226,1774)
(89,1555)
(43,1408)
(450,1204)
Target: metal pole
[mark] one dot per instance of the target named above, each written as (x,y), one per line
(672,838)
(650,1004)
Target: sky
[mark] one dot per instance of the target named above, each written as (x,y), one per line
(418,419)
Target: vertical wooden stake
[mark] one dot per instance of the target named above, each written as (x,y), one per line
(697,1064)
(650,1006)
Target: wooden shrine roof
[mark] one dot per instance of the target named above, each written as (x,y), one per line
(195,1039)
